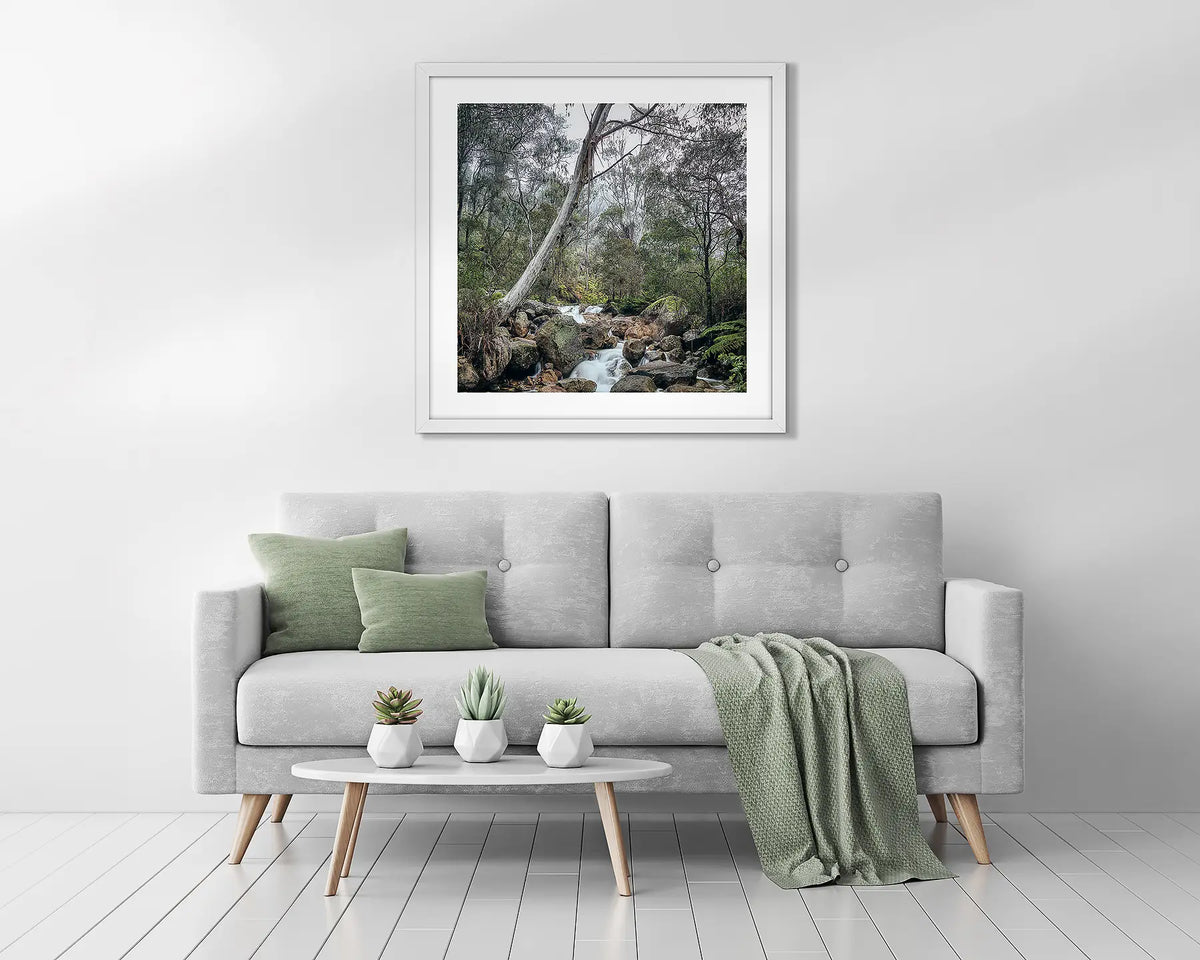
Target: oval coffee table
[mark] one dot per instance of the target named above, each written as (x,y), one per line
(449,771)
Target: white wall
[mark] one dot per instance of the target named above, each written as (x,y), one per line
(206,296)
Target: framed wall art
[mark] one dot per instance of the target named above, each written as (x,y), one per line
(600,248)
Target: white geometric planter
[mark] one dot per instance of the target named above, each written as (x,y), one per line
(394,744)
(481,741)
(565,744)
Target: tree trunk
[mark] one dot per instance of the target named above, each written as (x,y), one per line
(583,168)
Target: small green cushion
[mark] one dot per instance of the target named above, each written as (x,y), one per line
(310,592)
(422,611)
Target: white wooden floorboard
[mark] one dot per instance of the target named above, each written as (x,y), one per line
(706,857)
(557,843)
(1164,858)
(441,889)
(373,909)
(546,921)
(602,913)
(76,916)
(724,923)
(304,927)
(852,938)
(473,887)
(190,921)
(1189,820)
(48,858)
(1150,922)
(42,898)
(1082,923)
(658,879)
(500,873)
(667,935)
(126,923)
(484,930)
(467,828)
(966,927)
(22,843)
(782,919)
(903,924)
(11,823)
(1170,831)
(242,930)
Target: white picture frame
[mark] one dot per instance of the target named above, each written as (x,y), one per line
(440,408)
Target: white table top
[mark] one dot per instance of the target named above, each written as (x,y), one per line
(448,770)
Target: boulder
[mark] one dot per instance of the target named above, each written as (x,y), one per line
(535,308)
(644,329)
(670,343)
(496,359)
(675,356)
(620,325)
(634,351)
(560,343)
(468,376)
(595,333)
(671,313)
(524,358)
(692,339)
(519,324)
(634,384)
(652,355)
(666,374)
(578,385)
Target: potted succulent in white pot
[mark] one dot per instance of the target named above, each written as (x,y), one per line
(481,737)
(394,740)
(564,741)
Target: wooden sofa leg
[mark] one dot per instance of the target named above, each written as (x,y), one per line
(251,811)
(279,807)
(937,803)
(967,810)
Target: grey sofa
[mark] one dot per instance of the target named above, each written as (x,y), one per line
(587,596)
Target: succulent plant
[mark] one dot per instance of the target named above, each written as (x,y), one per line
(565,712)
(481,697)
(396,707)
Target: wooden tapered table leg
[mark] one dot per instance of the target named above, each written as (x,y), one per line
(362,802)
(966,808)
(606,798)
(250,812)
(350,802)
(937,803)
(279,807)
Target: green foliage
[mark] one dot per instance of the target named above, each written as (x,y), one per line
(629,306)
(396,707)
(727,350)
(565,712)
(481,697)
(667,304)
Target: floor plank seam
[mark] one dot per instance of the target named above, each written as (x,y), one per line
(1077,945)
(400,913)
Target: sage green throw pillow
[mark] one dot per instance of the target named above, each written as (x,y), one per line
(422,611)
(310,591)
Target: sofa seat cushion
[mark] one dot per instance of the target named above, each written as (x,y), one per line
(635,696)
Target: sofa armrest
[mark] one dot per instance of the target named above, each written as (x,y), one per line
(227,636)
(984,632)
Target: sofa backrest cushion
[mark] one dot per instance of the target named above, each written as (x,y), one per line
(861,570)
(546,554)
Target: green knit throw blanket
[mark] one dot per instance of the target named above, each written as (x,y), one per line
(821,746)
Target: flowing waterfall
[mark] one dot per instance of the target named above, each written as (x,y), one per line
(607,366)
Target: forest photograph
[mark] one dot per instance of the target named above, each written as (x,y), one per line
(601,247)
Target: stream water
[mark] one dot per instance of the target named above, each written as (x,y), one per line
(608,366)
